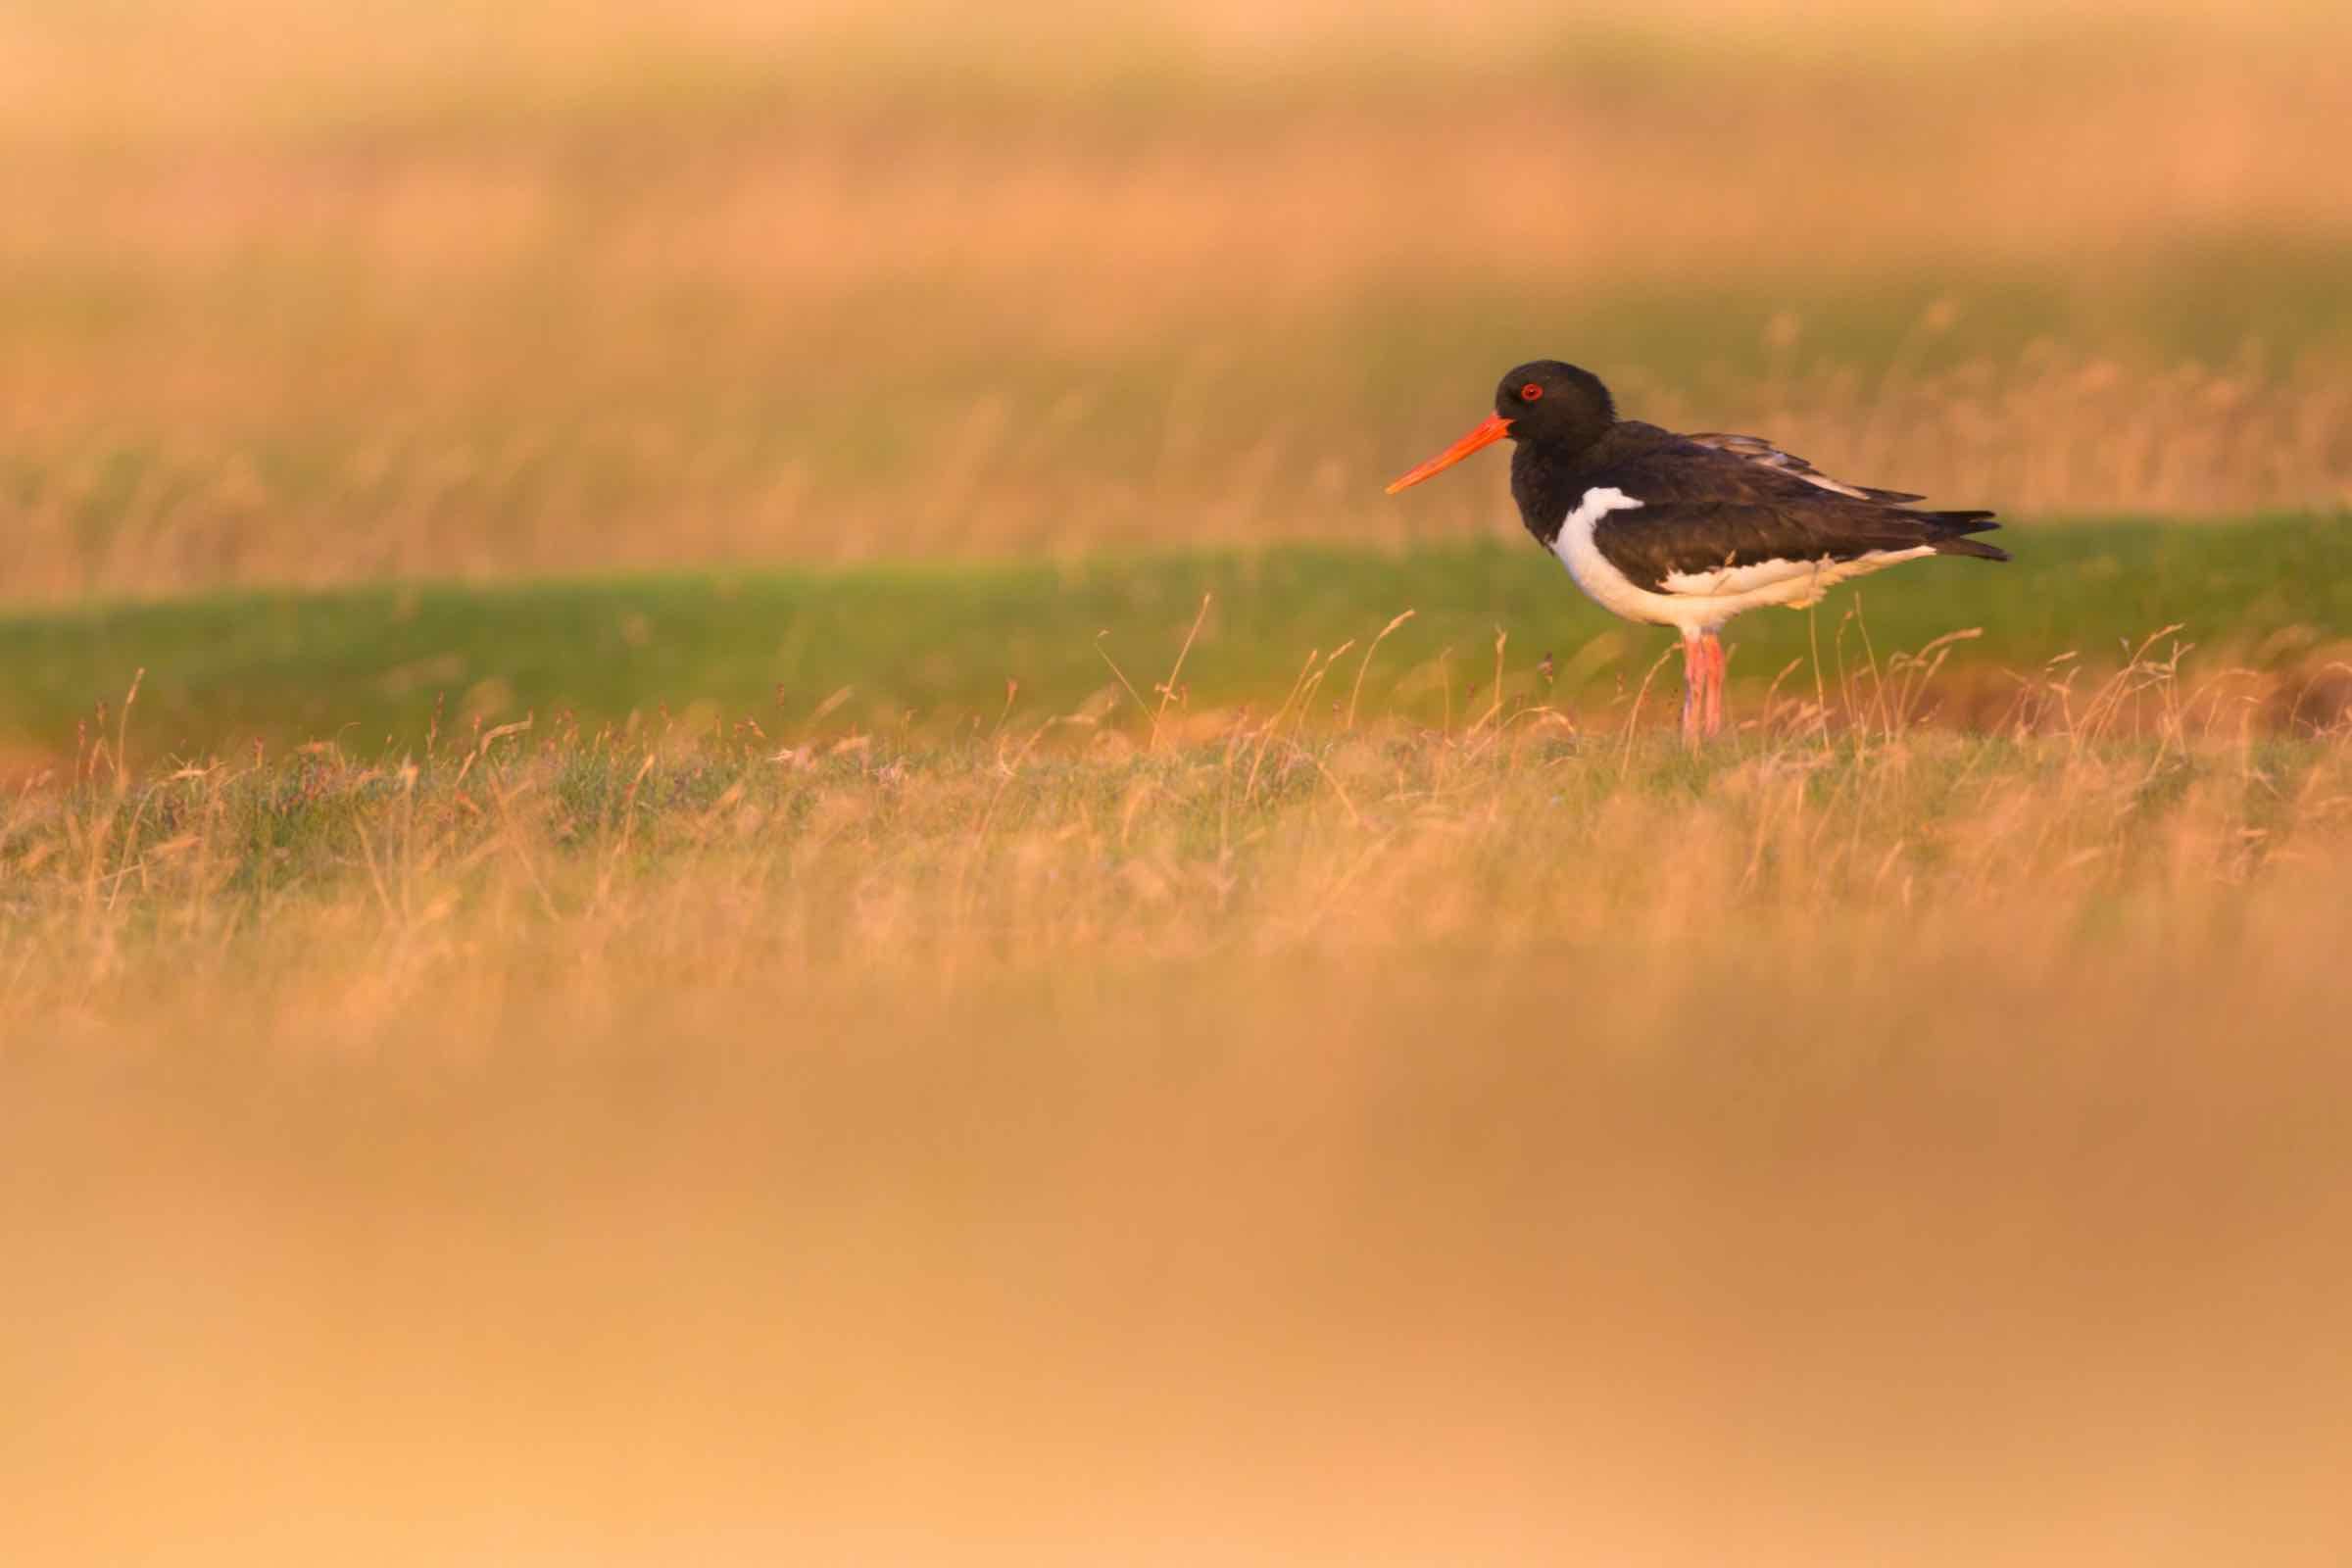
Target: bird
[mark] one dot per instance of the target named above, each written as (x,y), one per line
(1690,531)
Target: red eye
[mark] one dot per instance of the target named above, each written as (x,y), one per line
(1530,392)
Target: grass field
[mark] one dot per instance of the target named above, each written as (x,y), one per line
(933,650)
(731,829)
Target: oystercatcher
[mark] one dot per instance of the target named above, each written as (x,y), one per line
(1688,531)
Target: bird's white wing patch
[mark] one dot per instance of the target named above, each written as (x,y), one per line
(1764,454)
(1822,481)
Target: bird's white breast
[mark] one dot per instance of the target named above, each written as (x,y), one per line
(1604,583)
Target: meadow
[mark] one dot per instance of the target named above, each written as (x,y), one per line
(732,830)
(2257,613)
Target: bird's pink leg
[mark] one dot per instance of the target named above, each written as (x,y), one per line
(1715,667)
(1694,686)
(1723,662)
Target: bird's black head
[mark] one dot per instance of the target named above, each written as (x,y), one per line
(1544,402)
(1554,403)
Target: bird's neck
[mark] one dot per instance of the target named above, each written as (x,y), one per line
(1547,480)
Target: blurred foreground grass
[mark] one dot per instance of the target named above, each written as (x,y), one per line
(1280,1148)
(910,649)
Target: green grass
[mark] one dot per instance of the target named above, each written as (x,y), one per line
(936,645)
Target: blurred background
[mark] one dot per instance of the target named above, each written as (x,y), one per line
(298,293)
(694,1142)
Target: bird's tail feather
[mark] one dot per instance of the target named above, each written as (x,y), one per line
(1953,527)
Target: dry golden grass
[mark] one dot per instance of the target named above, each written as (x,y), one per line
(1277,1146)
(2140,798)
(490,292)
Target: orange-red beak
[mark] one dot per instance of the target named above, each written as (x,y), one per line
(1493,430)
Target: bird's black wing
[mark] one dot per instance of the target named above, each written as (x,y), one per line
(1705,511)
(1757,450)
